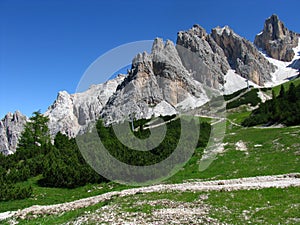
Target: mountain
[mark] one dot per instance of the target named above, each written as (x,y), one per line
(157,84)
(11,127)
(72,113)
(277,40)
(223,43)
(242,56)
(172,78)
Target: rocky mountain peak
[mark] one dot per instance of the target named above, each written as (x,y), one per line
(198,31)
(158,45)
(72,113)
(201,54)
(226,30)
(275,28)
(11,127)
(243,56)
(277,40)
(156,85)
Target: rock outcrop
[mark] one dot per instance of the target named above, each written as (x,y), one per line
(201,54)
(277,40)
(11,127)
(242,56)
(157,84)
(71,113)
(218,52)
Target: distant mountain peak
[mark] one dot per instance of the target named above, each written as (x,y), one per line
(277,40)
(11,127)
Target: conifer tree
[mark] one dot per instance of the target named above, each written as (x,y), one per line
(36,133)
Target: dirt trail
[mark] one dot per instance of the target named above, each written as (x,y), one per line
(278,181)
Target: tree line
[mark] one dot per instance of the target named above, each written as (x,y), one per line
(61,164)
(281,109)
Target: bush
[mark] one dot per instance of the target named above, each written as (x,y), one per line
(284,109)
(250,97)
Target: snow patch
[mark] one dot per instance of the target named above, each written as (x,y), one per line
(284,72)
(234,82)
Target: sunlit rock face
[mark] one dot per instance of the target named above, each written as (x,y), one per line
(276,40)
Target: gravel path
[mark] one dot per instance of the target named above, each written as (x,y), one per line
(277,181)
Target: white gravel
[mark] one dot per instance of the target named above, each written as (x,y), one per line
(277,181)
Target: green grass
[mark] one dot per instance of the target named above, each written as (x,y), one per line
(239,117)
(270,151)
(278,154)
(286,85)
(47,196)
(265,206)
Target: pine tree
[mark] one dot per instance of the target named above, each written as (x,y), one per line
(36,133)
(282,92)
(291,93)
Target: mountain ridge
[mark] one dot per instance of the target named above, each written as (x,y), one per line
(166,81)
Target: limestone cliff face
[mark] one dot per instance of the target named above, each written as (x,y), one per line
(210,56)
(201,54)
(277,40)
(72,113)
(11,127)
(242,56)
(156,85)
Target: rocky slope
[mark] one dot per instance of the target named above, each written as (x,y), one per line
(11,127)
(200,53)
(242,56)
(72,113)
(157,84)
(277,40)
(210,68)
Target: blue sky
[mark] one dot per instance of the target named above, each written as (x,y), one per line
(46,46)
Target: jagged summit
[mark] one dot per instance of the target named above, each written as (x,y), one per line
(220,51)
(277,40)
(170,79)
(243,56)
(156,85)
(11,127)
(228,31)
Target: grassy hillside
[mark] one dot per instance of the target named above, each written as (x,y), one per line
(247,152)
(265,206)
